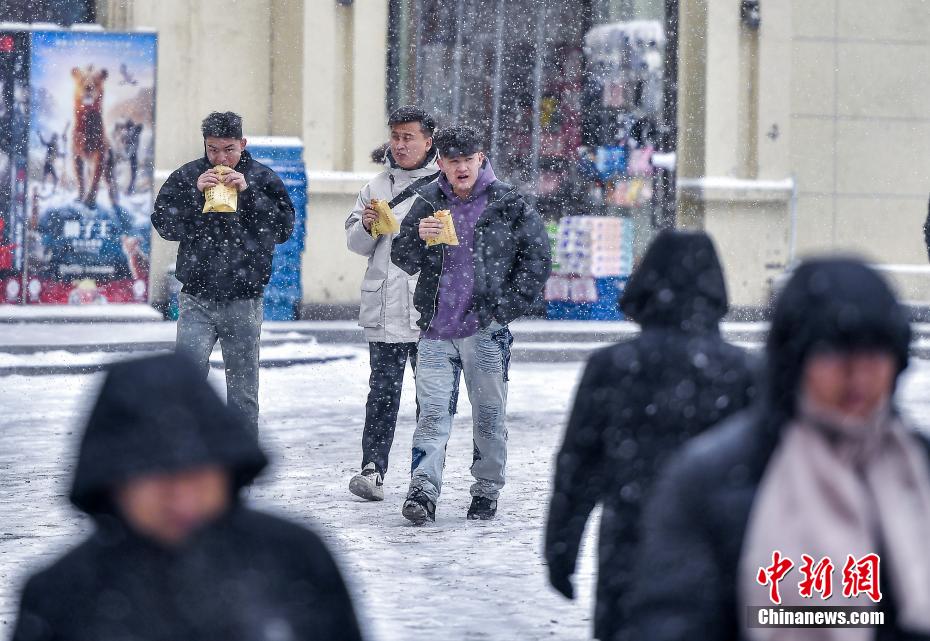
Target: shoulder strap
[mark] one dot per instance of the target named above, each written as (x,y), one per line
(408,192)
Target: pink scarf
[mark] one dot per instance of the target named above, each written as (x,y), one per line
(835,487)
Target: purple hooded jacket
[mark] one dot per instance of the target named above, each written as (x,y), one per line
(454,318)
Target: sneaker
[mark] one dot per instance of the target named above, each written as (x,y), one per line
(482,509)
(369,484)
(418,508)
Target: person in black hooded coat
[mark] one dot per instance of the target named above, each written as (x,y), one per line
(697,523)
(242,575)
(637,402)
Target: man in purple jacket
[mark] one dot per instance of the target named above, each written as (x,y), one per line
(467,294)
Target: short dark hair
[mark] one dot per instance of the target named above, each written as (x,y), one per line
(377,154)
(460,140)
(413,113)
(225,124)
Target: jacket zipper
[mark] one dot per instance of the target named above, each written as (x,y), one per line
(443,263)
(442,266)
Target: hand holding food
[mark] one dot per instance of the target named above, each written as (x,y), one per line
(207,179)
(430,228)
(446,234)
(220,197)
(386,222)
(369,216)
(236,180)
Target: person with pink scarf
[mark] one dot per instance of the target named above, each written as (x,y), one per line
(824,466)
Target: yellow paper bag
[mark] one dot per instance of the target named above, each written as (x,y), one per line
(386,222)
(221,197)
(447,236)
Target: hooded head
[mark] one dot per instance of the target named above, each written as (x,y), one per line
(157,416)
(835,305)
(679,283)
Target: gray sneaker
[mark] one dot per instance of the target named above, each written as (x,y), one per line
(368,485)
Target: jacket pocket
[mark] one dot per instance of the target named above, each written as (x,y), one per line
(371,309)
(411,291)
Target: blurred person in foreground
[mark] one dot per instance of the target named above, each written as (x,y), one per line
(822,465)
(638,401)
(174,553)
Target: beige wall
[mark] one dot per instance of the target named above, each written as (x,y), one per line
(733,93)
(841,83)
(308,68)
(859,107)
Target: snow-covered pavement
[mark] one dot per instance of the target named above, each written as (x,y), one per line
(452,580)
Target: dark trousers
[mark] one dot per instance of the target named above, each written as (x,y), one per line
(388,361)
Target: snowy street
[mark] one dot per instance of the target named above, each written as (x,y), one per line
(463,579)
(460,579)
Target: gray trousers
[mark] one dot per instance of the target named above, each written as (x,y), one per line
(484,359)
(237,324)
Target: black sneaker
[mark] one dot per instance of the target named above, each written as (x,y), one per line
(418,508)
(482,509)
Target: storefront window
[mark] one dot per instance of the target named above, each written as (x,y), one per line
(569,96)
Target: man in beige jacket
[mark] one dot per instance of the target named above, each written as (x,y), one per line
(387,313)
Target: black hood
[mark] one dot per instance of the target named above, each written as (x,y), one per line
(678,284)
(832,303)
(158,415)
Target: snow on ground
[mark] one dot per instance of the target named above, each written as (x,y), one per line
(452,580)
(307,349)
(456,579)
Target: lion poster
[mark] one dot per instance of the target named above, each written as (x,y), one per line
(91,166)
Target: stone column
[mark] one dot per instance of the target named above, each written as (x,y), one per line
(734,113)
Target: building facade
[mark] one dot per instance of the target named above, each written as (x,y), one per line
(784,128)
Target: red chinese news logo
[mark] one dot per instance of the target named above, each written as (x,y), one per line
(860,576)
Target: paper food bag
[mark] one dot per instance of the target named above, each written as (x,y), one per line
(221,197)
(447,236)
(386,223)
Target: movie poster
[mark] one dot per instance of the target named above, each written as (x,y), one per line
(91,166)
(14,136)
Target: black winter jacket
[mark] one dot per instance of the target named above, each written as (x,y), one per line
(224,256)
(686,582)
(638,401)
(512,258)
(246,576)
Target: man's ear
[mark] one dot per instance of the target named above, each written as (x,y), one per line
(481,157)
(429,143)
(442,165)
(243,142)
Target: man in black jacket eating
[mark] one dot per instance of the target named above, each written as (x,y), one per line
(224,260)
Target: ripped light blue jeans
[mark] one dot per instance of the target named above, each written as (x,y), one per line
(484,359)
